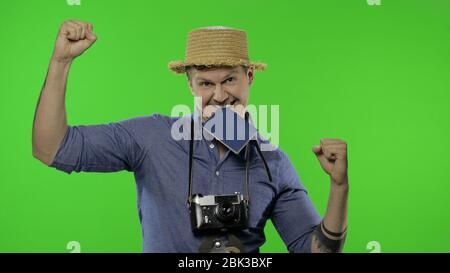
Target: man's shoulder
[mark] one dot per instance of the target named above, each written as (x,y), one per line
(281,165)
(156,123)
(270,150)
(145,121)
(151,126)
(276,157)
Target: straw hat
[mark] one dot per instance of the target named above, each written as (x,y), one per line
(214,46)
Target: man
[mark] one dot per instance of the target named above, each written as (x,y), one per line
(219,72)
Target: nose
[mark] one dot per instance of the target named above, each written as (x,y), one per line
(220,96)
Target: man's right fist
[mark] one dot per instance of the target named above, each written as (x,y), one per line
(73,39)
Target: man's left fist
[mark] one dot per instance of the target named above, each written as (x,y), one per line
(332,155)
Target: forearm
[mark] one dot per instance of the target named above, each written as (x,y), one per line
(335,219)
(50,121)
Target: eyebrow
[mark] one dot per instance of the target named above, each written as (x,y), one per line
(203,79)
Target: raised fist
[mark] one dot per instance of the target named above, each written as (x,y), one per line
(73,39)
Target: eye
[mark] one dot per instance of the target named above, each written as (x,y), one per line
(230,79)
(205,84)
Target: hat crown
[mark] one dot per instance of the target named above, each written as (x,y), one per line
(215,46)
(216,43)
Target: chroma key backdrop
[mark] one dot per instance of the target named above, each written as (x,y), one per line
(373,73)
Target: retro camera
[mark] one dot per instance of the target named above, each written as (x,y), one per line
(218,212)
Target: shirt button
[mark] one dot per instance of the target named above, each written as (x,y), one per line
(211,146)
(217,173)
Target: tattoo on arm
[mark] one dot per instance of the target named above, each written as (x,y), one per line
(320,243)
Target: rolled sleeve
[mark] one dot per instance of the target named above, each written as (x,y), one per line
(294,216)
(98,148)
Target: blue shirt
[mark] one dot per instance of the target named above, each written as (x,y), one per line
(145,146)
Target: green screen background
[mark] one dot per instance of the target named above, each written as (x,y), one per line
(375,76)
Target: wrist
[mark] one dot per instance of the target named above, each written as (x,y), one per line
(56,67)
(56,61)
(340,186)
(58,71)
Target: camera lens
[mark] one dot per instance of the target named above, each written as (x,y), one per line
(225,212)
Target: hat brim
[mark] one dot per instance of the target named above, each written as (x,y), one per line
(180,66)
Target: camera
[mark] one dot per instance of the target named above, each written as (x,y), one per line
(216,213)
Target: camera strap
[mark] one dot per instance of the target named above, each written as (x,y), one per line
(255,142)
(191,152)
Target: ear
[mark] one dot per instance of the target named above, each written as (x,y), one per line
(250,76)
